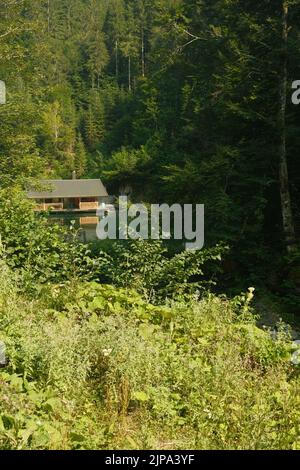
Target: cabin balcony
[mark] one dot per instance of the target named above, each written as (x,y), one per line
(68,205)
(88,206)
(55,206)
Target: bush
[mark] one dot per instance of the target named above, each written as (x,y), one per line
(43,252)
(147,267)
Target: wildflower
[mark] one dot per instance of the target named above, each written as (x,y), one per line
(107,352)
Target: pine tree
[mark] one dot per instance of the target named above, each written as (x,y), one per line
(80,159)
(115,29)
(97,52)
(129,44)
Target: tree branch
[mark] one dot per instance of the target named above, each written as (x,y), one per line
(191,35)
(8,32)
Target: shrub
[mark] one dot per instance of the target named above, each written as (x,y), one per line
(44,252)
(147,267)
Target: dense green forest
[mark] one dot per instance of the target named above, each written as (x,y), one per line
(141,345)
(176,101)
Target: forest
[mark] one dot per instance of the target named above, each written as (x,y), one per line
(142,344)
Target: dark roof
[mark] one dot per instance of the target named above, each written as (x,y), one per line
(69,188)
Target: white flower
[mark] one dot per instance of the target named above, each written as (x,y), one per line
(107,352)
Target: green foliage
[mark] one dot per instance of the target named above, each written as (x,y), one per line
(148,267)
(291,281)
(125,89)
(126,167)
(44,252)
(98,367)
(97,299)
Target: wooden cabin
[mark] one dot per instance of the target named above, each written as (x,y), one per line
(70,195)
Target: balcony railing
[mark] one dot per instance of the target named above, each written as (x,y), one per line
(60,206)
(56,206)
(89,221)
(85,206)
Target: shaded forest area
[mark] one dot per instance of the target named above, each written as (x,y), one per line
(174,100)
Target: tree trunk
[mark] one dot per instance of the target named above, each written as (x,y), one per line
(129,73)
(69,16)
(286,206)
(48,16)
(117,59)
(143,53)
